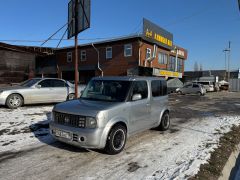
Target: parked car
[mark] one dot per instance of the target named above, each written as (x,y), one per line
(192,88)
(110,110)
(208,85)
(37,90)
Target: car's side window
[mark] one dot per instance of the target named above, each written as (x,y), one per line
(45,83)
(58,83)
(188,86)
(159,88)
(140,87)
(164,88)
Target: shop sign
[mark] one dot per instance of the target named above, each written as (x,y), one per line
(165,73)
(157,35)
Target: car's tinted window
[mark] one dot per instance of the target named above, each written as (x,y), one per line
(159,88)
(188,86)
(45,83)
(106,90)
(30,82)
(195,86)
(140,87)
(164,88)
(58,83)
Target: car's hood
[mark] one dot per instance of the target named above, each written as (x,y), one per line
(83,107)
(8,88)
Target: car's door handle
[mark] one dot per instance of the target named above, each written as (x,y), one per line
(147,104)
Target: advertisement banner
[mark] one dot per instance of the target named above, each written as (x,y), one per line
(157,35)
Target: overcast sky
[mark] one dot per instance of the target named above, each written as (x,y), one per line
(203,27)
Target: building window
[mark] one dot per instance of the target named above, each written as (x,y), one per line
(180,65)
(162,58)
(83,55)
(171,64)
(148,53)
(127,50)
(69,57)
(109,53)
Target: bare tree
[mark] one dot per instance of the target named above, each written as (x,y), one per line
(196,68)
(200,67)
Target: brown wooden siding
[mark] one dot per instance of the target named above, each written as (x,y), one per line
(16,66)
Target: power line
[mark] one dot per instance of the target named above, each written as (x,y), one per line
(138,27)
(63,39)
(207,8)
(54,34)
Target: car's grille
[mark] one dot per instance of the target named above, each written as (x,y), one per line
(69,119)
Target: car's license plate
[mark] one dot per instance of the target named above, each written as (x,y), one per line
(63,134)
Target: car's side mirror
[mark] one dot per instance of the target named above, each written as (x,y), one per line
(81,92)
(136,97)
(38,86)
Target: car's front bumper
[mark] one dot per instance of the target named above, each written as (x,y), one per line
(2,99)
(85,138)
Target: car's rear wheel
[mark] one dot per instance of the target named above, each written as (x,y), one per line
(199,93)
(116,140)
(165,121)
(179,92)
(14,101)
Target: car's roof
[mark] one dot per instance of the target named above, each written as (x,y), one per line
(127,78)
(47,78)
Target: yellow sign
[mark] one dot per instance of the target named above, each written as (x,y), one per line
(158,72)
(158,38)
(169,73)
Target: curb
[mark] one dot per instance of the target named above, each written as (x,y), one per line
(229,168)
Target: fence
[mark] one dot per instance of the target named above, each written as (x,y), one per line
(234,85)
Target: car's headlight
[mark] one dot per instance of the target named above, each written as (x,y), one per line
(52,116)
(1,91)
(91,122)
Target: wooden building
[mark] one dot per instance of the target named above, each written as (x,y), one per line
(18,63)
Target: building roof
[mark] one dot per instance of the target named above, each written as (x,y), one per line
(128,78)
(120,38)
(27,49)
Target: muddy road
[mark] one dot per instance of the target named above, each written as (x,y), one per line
(147,154)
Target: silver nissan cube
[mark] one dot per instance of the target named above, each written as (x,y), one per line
(110,110)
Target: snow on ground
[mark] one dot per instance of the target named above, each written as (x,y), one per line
(24,126)
(175,154)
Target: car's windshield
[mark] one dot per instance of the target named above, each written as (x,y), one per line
(106,90)
(30,82)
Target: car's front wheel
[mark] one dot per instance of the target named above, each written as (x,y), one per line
(116,140)
(14,101)
(165,121)
(71,97)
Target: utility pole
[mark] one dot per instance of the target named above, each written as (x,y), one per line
(229,55)
(76,49)
(239,4)
(225,53)
(227,65)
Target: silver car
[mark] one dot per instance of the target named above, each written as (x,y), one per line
(192,88)
(110,110)
(36,90)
